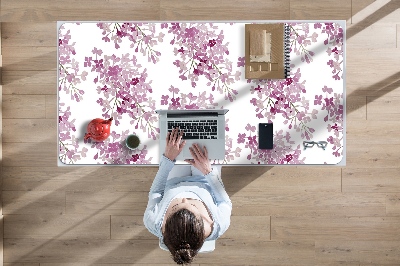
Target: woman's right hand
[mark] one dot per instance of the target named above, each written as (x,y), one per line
(200,159)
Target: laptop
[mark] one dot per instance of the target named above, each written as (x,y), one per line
(204,127)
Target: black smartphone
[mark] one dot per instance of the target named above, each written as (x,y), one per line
(265,136)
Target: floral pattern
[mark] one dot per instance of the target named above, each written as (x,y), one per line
(128,70)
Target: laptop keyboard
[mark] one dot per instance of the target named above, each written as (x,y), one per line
(195,129)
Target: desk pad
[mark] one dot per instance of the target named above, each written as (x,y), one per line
(126,71)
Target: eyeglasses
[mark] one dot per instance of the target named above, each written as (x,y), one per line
(310,144)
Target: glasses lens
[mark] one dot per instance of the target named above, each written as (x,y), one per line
(308,143)
(322,144)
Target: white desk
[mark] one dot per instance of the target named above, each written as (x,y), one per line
(128,70)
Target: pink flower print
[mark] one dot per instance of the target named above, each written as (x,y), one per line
(326,89)
(203,57)
(250,128)
(191,97)
(329,102)
(336,76)
(241,62)
(212,42)
(135,157)
(135,81)
(114,71)
(191,32)
(258,88)
(191,106)
(318,100)
(300,115)
(252,140)
(176,101)
(260,115)
(300,39)
(173,89)
(164,99)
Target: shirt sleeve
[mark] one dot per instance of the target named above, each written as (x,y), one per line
(222,199)
(156,194)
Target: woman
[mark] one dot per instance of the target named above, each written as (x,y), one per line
(187,204)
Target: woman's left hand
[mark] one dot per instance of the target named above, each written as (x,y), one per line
(174,144)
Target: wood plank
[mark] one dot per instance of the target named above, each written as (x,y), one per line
(30,82)
(114,264)
(85,251)
(53,226)
(384,36)
(40,154)
(224,10)
(373,131)
(33,202)
(397,35)
(51,107)
(335,228)
(43,62)
(45,88)
(370,12)
(119,179)
(305,9)
(358,6)
(384,155)
(356,108)
(393,204)
(1,237)
(383,108)
(21,264)
(129,227)
(107,203)
(147,251)
(1,157)
(42,10)
(309,204)
(372,72)
(24,106)
(284,179)
(29,34)
(364,252)
(58,178)
(239,252)
(28,130)
(249,227)
(29,51)
(381,180)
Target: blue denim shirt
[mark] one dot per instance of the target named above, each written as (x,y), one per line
(209,188)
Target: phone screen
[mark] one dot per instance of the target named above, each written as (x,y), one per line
(265,136)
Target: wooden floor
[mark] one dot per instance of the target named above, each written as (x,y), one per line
(281,215)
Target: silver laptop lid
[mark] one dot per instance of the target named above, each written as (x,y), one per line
(193,112)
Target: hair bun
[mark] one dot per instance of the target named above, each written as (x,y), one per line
(183,255)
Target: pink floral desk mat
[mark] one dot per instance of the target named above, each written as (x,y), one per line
(128,70)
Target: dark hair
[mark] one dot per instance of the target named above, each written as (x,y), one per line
(184,235)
